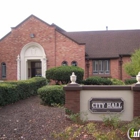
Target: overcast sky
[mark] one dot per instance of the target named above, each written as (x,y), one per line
(72,15)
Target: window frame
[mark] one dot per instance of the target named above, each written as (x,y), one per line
(75,63)
(3,70)
(101,67)
(64,63)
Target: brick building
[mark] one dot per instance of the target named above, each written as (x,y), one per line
(34,46)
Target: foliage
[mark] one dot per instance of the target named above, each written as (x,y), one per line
(130,81)
(112,130)
(106,136)
(53,94)
(62,74)
(75,117)
(112,120)
(11,92)
(135,123)
(102,81)
(116,81)
(132,68)
(75,132)
(97,81)
(68,111)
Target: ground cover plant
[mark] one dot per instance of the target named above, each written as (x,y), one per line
(28,119)
(111,128)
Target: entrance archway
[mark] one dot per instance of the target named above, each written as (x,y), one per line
(31,62)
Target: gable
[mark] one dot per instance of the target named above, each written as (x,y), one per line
(30,20)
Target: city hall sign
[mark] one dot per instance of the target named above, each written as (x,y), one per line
(104,105)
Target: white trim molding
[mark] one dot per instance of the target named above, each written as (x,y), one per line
(18,67)
(31,51)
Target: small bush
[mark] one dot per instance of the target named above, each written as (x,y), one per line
(130,81)
(62,74)
(135,123)
(97,81)
(112,120)
(116,81)
(52,95)
(11,92)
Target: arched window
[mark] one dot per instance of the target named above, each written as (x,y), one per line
(3,70)
(64,63)
(74,63)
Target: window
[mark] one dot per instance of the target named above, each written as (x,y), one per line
(101,67)
(64,63)
(74,63)
(3,70)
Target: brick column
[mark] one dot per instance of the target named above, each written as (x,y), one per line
(72,97)
(136,95)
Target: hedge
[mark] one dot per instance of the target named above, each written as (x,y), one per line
(102,81)
(116,81)
(62,74)
(52,94)
(130,81)
(11,92)
(97,81)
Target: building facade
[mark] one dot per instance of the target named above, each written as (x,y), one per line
(34,46)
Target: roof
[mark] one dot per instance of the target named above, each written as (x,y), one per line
(108,44)
(101,44)
(57,28)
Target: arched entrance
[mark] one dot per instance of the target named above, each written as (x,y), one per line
(31,62)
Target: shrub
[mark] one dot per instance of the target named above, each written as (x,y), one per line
(97,81)
(62,74)
(112,120)
(130,81)
(116,81)
(51,95)
(11,92)
(132,67)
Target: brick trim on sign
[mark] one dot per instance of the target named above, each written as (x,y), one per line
(136,96)
(72,95)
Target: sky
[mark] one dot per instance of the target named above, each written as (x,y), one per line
(72,15)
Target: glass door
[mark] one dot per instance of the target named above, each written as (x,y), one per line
(36,69)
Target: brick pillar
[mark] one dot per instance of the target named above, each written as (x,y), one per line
(136,95)
(72,97)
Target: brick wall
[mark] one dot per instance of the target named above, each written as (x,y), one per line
(136,94)
(72,99)
(114,68)
(56,46)
(68,50)
(90,68)
(72,96)
(124,74)
(136,103)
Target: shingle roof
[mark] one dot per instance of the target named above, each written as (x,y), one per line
(108,44)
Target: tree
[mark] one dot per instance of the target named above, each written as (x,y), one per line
(133,67)
(61,74)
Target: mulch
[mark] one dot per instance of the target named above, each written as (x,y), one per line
(29,120)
